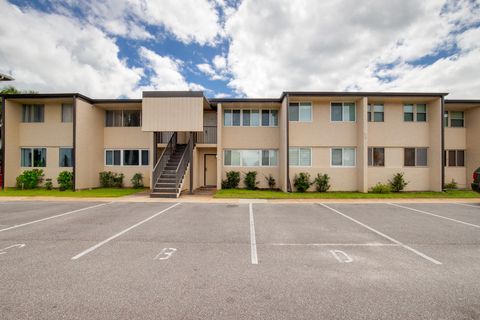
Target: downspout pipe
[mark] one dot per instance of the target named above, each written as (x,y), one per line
(442,119)
(289,185)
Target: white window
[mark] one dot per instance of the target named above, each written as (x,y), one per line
(415,157)
(376,113)
(300,112)
(123,118)
(67,113)
(343,112)
(33,112)
(250,158)
(231,118)
(300,157)
(65,157)
(269,118)
(410,110)
(33,157)
(128,157)
(457,119)
(343,157)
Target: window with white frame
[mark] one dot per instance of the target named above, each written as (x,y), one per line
(343,157)
(300,111)
(65,157)
(415,157)
(250,158)
(376,157)
(415,112)
(457,119)
(33,157)
(33,113)
(454,158)
(67,112)
(376,113)
(250,117)
(123,118)
(126,157)
(299,157)
(342,111)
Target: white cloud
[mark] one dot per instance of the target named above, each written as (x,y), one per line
(61,54)
(278,45)
(188,20)
(211,72)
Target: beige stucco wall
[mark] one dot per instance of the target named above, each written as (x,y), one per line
(219,145)
(459,174)
(262,172)
(89,152)
(199,178)
(172,114)
(455,138)
(435,155)
(472,123)
(50,134)
(362,145)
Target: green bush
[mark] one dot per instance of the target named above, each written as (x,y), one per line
(301,182)
(232,181)
(48,184)
(65,180)
(137,180)
(322,182)
(109,179)
(30,179)
(250,180)
(398,182)
(452,185)
(381,188)
(270,181)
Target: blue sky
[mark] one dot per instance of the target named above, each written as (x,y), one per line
(119,48)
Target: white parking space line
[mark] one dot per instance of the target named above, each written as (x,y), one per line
(466,205)
(384,235)
(253,242)
(435,215)
(98,245)
(53,217)
(334,244)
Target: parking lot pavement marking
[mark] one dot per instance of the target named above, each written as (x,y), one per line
(98,245)
(435,215)
(18,245)
(335,244)
(55,216)
(384,235)
(467,205)
(165,254)
(253,242)
(341,256)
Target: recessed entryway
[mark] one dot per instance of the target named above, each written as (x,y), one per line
(210,170)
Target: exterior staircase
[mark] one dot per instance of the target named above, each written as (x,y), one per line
(169,172)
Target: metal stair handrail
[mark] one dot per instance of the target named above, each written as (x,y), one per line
(184,161)
(162,161)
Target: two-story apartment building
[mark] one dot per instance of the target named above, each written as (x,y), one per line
(182,140)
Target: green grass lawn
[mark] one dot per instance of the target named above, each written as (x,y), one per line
(92,193)
(266,194)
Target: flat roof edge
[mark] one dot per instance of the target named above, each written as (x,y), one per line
(464,101)
(172,94)
(363,93)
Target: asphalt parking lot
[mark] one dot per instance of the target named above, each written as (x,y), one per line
(127,260)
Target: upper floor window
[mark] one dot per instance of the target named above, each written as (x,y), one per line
(65,157)
(34,157)
(376,113)
(300,157)
(409,111)
(343,157)
(415,157)
(342,111)
(457,119)
(376,157)
(300,111)
(67,113)
(33,113)
(132,157)
(123,118)
(251,158)
(250,117)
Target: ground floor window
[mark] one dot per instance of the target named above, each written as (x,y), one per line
(343,157)
(250,158)
(376,157)
(415,157)
(127,157)
(33,157)
(454,158)
(65,157)
(300,157)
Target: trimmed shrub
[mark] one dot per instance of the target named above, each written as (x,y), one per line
(270,181)
(137,180)
(48,184)
(381,188)
(452,185)
(301,182)
(322,182)
(109,179)
(250,180)
(65,180)
(398,182)
(30,179)
(232,181)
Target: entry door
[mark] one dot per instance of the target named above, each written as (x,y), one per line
(210,170)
